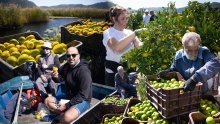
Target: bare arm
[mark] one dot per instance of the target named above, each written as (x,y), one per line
(122,44)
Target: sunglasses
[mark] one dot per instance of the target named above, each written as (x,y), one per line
(45,48)
(69,55)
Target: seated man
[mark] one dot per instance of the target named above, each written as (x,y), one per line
(122,84)
(190,59)
(78,83)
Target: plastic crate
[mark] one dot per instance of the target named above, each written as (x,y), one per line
(172,103)
(199,118)
(92,45)
(112,107)
(8,71)
(109,116)
(132,102)
(213,100)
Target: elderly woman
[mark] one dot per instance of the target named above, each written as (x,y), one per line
(46,63)
(190,59)
(118,41)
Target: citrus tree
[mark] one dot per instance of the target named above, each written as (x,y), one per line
(163,36)
(205,19)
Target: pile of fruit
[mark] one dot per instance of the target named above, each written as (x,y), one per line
(88,28)
(113,120)
(208,108)
(115,101)
(18,51)
(144,111)
(167,84)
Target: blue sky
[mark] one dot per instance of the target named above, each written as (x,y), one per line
(135,4)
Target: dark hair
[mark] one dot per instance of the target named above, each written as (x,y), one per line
(115,11)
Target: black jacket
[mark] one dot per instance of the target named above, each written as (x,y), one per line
(78,82)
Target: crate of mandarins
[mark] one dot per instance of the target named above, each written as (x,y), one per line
(15,50)
(209,106)
(142,111)
(199,118)
(114,104)
(87,31)
(167,95)
(112,119)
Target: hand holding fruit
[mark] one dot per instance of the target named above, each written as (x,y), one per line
(139,30)
(55,69)
(54,74)
(189,85)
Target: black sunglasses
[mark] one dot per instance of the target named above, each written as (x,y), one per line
(69,55)
(45,48)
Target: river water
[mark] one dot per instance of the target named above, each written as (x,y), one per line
(39,27)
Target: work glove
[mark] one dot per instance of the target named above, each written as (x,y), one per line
(163,73)
(189,85)
(139,30)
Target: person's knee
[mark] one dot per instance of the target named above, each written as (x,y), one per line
(69,117)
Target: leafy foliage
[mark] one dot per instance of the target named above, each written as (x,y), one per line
(136,20)
(163,36)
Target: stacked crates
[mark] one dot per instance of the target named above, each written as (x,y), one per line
(174,102)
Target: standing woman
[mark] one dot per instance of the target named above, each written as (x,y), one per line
(118,41)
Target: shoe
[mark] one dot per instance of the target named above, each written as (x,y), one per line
(48,118)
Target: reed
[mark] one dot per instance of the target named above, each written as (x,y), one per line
(34,15)
(79,12)
(12,16)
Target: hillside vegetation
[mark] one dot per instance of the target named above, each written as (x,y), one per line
(19,3)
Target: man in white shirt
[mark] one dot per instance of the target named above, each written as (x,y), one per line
(146,17)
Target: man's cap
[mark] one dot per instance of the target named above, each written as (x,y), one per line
(47,44)
(146,10)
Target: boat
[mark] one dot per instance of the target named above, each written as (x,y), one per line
(91,116)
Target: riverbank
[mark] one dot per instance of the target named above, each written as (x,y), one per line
(59,17)
(38,27)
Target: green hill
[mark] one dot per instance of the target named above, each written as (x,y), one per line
(19,3)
